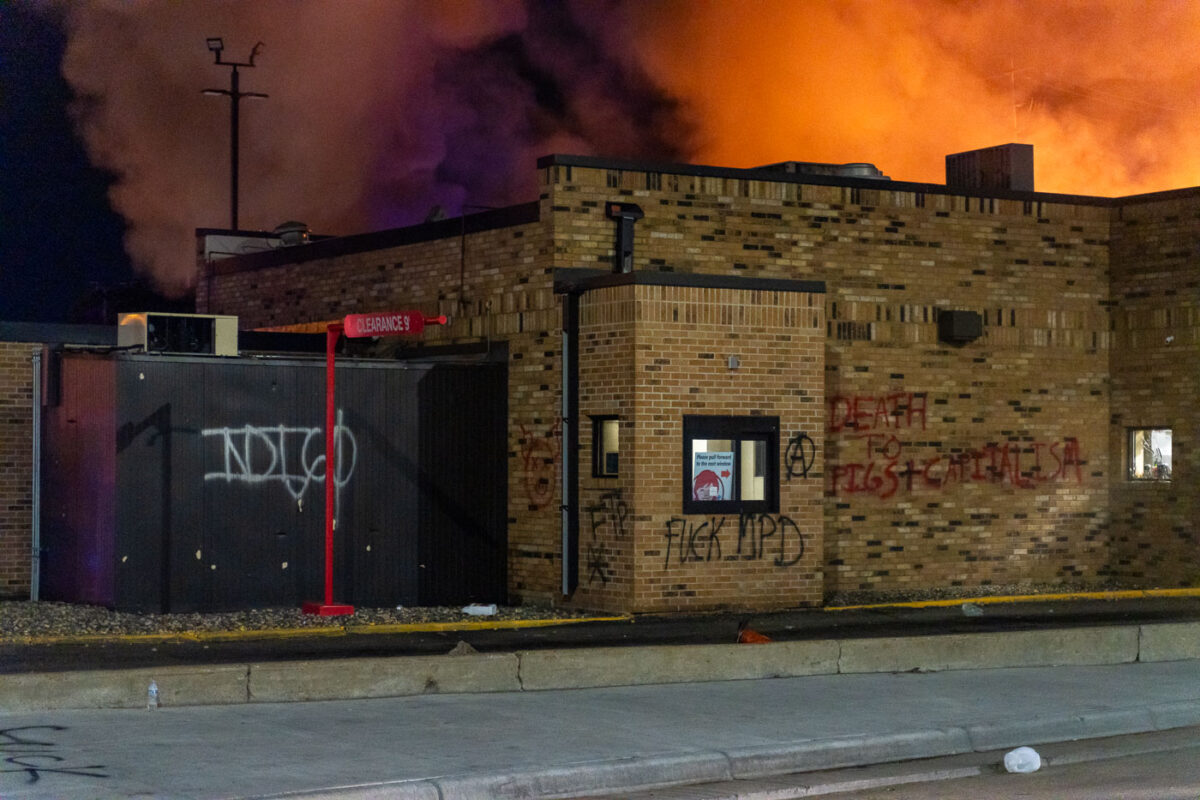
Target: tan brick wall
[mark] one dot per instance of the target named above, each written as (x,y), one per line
(1156,383)
(1034,387)
(16,479)
(609,521)
(653,354)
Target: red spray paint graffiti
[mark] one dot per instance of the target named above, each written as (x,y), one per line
(541,454)
(884,470)
(874,412)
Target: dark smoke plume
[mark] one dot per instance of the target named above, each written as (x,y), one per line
(378,110)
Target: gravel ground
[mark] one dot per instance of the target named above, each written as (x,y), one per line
(24,618)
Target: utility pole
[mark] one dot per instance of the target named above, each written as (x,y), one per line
(216,45)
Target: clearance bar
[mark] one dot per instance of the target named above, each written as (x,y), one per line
(385,323)
(388,323)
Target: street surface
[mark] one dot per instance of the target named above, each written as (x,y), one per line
(1154,766)
(1164,775)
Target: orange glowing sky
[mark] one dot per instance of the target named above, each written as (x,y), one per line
(379,109)
(1107,92)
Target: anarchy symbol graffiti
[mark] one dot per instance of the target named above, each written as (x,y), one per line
(800,455)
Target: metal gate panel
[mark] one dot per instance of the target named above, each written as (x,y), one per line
(463,516)
(78,481)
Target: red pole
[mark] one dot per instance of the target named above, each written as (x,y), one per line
(329,608)
(331,337)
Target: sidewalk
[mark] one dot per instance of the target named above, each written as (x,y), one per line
(567,743)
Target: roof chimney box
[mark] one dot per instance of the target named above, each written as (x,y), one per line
(1007,167)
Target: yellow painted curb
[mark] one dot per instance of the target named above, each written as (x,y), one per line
(1130,594)
(177,636)
(481,625)
(294,633)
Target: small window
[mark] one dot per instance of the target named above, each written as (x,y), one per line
(605,450)
(1150,454)
(730,464)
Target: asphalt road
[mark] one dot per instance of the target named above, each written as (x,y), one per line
(1151,766)
(1172,774)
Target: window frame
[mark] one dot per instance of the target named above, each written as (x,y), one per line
(1130,449)
(598,451)
(735,429)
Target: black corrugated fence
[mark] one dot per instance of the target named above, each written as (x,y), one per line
(197,484)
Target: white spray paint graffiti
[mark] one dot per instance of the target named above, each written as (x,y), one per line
(282,454)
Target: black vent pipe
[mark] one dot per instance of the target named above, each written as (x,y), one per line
(625,214)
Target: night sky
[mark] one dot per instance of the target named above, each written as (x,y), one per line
(59,238)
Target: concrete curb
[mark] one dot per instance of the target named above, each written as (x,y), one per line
(356,678)
(1062,647)
(580,668)
(633,666)
(1178,641)
(640,774)
(847,751)
(177,686)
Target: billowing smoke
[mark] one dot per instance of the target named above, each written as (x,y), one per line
(381,109)
(378,110)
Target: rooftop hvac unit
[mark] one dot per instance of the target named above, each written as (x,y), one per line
(194,334)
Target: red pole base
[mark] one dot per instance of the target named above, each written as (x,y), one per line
(327,609)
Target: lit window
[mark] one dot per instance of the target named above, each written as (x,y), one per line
(605,434)
(730,464)
(1150,454)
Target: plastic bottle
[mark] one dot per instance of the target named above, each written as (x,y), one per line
(152,697)
(479,610)
(1023,759)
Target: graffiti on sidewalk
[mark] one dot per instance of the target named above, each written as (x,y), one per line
(26,751)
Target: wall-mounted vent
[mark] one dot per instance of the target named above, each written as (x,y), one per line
(959,327)
(193,334)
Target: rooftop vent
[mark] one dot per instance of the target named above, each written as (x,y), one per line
(857,169)
(291,233)
(1006,167)
(194,334)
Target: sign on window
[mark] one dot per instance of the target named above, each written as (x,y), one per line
(712,476)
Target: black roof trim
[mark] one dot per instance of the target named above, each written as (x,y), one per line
(57,333)
(1154,197)
(232,232)
(760,174)
(574,281)
(335,246)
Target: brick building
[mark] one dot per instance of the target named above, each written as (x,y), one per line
(819,315)
(755,388)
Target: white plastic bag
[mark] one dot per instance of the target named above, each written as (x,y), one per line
(1022,760)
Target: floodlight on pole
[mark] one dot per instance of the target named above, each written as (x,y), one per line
(216,45)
